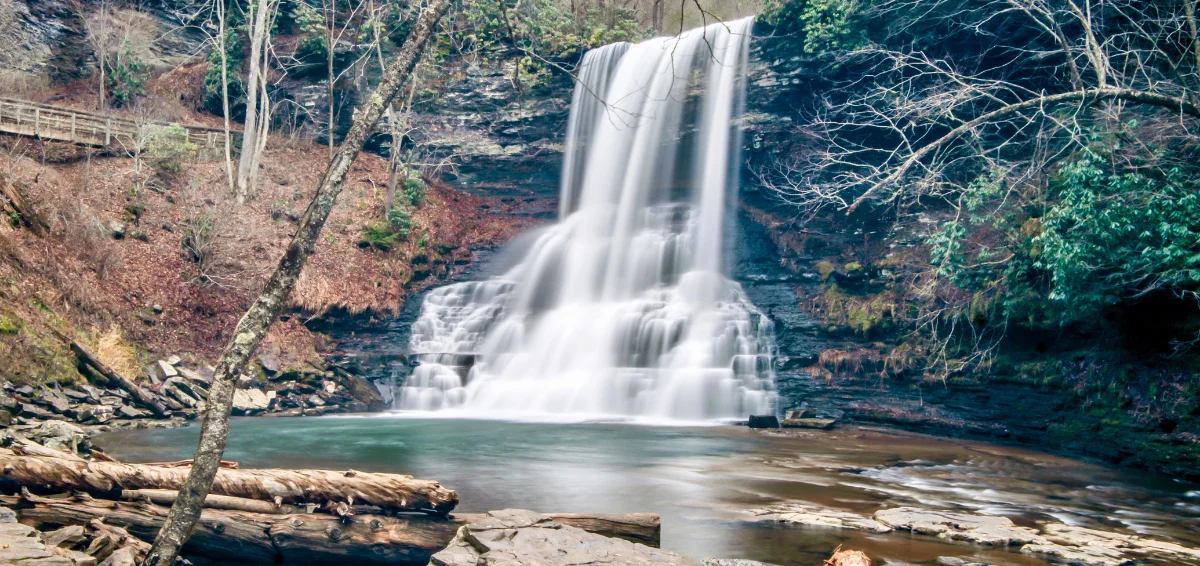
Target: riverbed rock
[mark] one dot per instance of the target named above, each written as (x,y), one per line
(1082,545)
(800,514)
(764,421)
(514,536)
(733,562)
(979,529)
(820,424)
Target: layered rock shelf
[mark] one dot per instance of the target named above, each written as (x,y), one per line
(1055,541)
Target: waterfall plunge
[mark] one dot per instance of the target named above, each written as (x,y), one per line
(622,308)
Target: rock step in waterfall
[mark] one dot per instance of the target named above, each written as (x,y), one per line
(622,308)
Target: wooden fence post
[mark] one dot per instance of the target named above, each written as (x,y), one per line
(107,131)
(73,116)
(37,122)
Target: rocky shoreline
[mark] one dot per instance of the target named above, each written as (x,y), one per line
(174,392)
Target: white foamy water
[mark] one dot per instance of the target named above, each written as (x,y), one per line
(624,307)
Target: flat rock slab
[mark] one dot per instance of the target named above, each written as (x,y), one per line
(820,424)
(1056,541)
(514,537)
(798,514)
(20,545)
(979,529)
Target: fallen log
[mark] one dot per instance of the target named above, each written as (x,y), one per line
(143,397)
(167,497)
(107,479)
(255,538)
(225,464)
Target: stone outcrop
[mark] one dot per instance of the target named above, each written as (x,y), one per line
(512,537)
(1056,541)
(96,544)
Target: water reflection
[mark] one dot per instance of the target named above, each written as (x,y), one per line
(703,480)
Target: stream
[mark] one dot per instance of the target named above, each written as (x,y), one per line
(704,480)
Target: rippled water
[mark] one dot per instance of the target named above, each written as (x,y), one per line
(702,480)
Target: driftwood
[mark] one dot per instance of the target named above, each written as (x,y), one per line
(387,491)
(167,497)
(143,397)
(225,464)
(317,538)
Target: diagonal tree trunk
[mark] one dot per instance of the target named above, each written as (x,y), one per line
(254,324)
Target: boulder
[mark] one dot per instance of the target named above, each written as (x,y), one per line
(59,435)
(29,410)
(126,412)
(800,414)
(155,373)
(178,389)
(55,401)
(7,515)
(65,537)
(6,418)
(821,424)
(116,229)
(167,369)
(250,401)
(764,421)
(515,536)
(270,363)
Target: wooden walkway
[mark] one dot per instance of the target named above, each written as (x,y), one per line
(25,118)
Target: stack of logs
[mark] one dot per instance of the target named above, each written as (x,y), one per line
(261,516)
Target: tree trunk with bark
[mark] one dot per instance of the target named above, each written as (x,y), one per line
(254,324)
(392,492)
(256,100)
(314,538)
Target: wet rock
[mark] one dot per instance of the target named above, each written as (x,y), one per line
(800,414)
(821,424)
(1090,546)
(733,562)
(800,514)
(979,529)
(764,421)
(514,536)
(955,561)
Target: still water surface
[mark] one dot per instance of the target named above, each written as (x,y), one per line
(703,480)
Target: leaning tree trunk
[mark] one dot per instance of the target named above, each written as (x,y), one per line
(254,324)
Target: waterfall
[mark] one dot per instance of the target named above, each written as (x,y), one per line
(623,308)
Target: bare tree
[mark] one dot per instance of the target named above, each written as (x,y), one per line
(912,118)
(97,29)
(254,324)
(260,20)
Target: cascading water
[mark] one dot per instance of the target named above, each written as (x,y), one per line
(622,308)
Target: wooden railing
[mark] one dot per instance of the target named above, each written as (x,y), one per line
(25,118)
